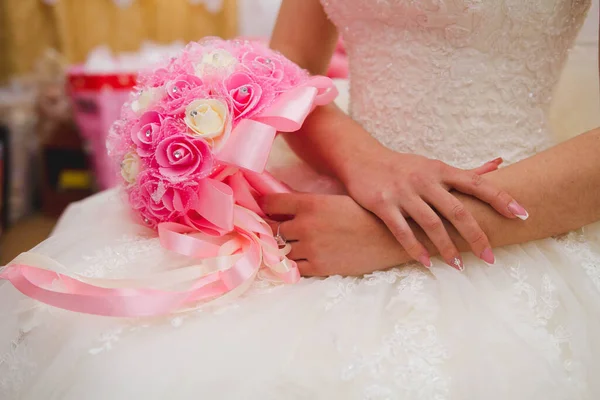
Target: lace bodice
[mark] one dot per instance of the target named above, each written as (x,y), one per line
(463,81)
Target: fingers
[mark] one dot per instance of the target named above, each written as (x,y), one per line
(455,212)
(286,229)
(397,224)
(488,166)
(300,252)
(280,203)
(474,184)
(292,231)
(306,269)
(433,226)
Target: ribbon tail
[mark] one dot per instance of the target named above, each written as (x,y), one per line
(88,298)
(174,237)
(326,90)
(215,203)
(243,192)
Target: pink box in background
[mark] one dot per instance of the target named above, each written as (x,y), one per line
(97,101)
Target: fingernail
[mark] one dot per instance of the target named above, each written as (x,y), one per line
(498,160)
(425,260)
(518,210)
(457,263)
(488,256)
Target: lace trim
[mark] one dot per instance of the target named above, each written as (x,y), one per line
(114,260)
(408,363)
(578,245)
(554,340)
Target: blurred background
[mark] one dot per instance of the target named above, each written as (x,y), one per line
(66,67)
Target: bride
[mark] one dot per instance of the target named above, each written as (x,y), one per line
(437,84)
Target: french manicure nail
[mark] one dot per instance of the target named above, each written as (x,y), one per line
(457,263)
(425,260)
(488,256)
(518,210)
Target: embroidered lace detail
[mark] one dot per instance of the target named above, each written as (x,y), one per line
(15,367)
(110,338)
(553,338)
(463,81)
(114,260)
(341,287)
(579,246)
(107,340)
(408,363)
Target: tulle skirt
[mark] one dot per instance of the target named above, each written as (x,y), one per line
(526,328)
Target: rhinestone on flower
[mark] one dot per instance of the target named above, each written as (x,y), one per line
(175,89)
(244,89)
(177,154)
(194,113)
(148,133)
(146,221)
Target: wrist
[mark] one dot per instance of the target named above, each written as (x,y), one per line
(356,158)
(341,144)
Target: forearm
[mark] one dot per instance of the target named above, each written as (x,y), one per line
(560,188)
(328,137)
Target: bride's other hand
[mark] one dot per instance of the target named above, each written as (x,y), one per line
(333,235)
(395,186)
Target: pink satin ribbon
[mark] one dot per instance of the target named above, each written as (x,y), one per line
(232,261)
(250,142)
(231,241)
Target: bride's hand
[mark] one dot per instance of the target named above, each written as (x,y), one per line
(332,235)
(395,185)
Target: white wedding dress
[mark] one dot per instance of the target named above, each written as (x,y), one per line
(463,81)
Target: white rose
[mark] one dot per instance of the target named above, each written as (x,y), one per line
(130,167)
(147,98)
(208,118)
(216,60)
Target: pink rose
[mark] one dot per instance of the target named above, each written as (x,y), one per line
(172,127)
(179,91)
(150,79)
(245,95)
(181,156)
(264,67)
(178,87)
(146,133)
(158,200)
(181,197)
(147,199)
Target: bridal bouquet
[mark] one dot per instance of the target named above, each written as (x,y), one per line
(192,145)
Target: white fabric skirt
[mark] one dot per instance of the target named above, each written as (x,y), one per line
(527,328)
